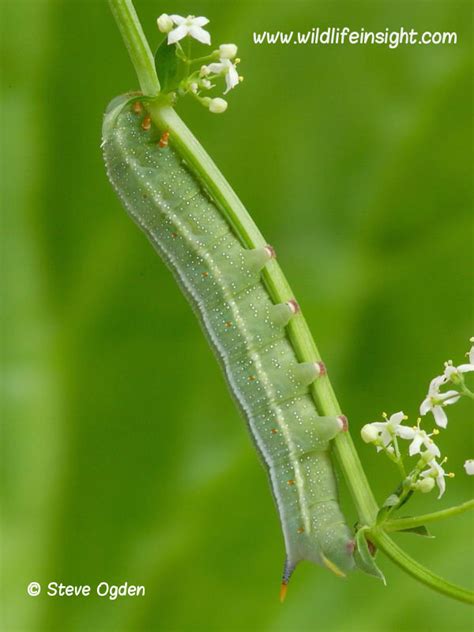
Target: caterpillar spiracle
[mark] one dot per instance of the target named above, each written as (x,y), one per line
(222,280)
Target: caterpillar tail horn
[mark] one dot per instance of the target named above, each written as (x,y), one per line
(287,573)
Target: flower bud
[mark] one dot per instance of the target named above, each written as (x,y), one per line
(469,466)
(425,485)
(227,51)
(369,434)
(165,23)
(217,105)
(204,71)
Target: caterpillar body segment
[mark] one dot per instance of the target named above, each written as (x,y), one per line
(222,280)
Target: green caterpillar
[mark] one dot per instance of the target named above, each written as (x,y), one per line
(222,280)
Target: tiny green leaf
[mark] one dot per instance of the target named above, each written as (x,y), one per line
(363,558)
(169,67)
(421,530)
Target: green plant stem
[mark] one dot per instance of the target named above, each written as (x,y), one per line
(416,521)
(201,60)
(416,570)
(395,457)
(164,116)
(400,463)
(465,391)
(137,45)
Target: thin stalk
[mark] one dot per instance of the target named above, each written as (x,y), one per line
(395,457)
(400,463)
(465,391)
(137,45)
(416,521)
(205,59)
(416,570)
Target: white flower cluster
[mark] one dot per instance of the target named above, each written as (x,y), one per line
(223,60)
(435,401)
(384,435)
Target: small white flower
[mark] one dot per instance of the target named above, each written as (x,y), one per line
(226,68)
(435,384)
(434,401)
(206,84)
(469,466)
(165,23)
(386,430)
(436,471)
(227,51)
(189,26)
(418,439)
(204,71)
(453,373)
(217,105)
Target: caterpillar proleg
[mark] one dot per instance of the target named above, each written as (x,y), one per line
(222,280)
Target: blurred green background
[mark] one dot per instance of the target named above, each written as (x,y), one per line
(124,458)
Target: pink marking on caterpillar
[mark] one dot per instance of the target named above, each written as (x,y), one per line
(344,423)
(271,251)
(293,305)
(321,367)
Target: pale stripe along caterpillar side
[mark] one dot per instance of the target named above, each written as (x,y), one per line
(222,280)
